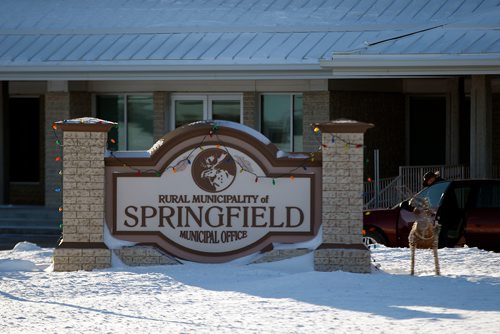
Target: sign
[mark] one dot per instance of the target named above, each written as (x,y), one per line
(215,200)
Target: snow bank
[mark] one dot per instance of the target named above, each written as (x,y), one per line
(281,297)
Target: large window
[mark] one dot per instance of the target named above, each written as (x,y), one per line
(134,115)
(281,120)
(191,108)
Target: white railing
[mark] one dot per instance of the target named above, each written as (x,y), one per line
(411,176)
(385,193)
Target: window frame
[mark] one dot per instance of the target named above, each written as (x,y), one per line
(207,100)
(292,106)
(125,109)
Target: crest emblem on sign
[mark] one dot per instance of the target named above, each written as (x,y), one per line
(213,170)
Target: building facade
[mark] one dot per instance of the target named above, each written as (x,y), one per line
(426,75)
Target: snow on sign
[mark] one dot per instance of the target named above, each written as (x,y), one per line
(213,192)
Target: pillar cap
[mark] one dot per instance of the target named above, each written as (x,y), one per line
(84,124)
(343,125)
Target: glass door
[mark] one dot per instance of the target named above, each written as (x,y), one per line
(192,108)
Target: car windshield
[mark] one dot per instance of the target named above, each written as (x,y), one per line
(434,193)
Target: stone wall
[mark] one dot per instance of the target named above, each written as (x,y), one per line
(316,107)
(83,186)
(82,246)
(161,105)
(250,109)
(343,189)
(343,259)
(80,104)
(342,206)
(73,259)
(143,256)
(281,254)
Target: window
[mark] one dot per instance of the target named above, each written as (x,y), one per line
(434,193)
(462,195)
(134,115)
(281,120)
(191,108)
(489,196)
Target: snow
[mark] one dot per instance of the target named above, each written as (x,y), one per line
(235,126)
(282,297)
(86,120)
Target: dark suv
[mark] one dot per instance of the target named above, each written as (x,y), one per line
(468,211)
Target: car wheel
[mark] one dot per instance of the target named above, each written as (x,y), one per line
(375,237)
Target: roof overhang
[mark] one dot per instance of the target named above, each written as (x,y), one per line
(165,72)
(370,66)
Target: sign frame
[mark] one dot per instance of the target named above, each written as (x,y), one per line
(275,164)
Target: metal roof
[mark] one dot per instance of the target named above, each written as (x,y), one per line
(197,39)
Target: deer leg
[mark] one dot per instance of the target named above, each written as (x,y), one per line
(435,245)
(436,260)
(412,252)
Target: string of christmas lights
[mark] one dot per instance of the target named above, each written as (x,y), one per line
(180,165)
(58,189)
(347,144)
(242,168)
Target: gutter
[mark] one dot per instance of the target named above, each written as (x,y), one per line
(165,72)
(369,66)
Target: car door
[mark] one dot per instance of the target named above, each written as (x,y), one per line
(483,218)
(452,212)
(434,195)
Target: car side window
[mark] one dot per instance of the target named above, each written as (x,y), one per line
(462,196)
(434,193)
(488,196)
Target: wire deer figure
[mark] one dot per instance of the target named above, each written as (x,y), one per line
(424,233)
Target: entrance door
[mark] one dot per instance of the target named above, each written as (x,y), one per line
(24,158)
(427,131)
(189,108)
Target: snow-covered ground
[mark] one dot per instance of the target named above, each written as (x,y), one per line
(282,297)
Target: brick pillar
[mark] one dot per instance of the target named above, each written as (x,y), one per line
(82,246)
(342,209)
(57,106)
(316,107)
(161,102)
(250,118)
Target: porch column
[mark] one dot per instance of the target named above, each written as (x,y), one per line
(480,127)
(82,246)
(316,108)
(3,158)
(57,106)
(453,123)
(342,208)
